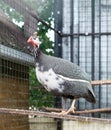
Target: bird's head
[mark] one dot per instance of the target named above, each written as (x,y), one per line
(34,40)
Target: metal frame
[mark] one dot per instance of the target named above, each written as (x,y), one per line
(95,35)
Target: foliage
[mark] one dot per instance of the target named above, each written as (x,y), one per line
(46,44)
(44,8)
(11,13)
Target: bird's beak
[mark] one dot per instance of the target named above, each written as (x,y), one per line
(29,40)
(32,41)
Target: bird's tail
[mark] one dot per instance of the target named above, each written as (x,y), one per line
(91,96)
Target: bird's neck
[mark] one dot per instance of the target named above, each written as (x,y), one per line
(38,54)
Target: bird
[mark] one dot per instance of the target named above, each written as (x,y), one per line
(61,77)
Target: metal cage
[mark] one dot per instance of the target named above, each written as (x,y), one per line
(85,30)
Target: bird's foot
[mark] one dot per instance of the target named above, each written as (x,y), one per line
(69,111)
(59,113)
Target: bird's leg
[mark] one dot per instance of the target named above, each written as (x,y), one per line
(64,103)
(71,109)
(64,106)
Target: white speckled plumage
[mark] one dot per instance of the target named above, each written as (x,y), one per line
(50,80)
(62,77)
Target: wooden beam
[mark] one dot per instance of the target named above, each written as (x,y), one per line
(101,110)
(51,115)
(100,82)
(30,23)
(11,35)
(29,14)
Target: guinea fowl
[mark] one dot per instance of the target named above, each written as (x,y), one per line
(61,77)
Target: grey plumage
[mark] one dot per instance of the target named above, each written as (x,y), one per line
(71,89)
(60,76)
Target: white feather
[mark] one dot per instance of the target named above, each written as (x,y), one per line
(52,82)
(70,79)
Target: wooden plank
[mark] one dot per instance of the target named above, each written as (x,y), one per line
(51,115)
(85,125)
(100,82)
(41,123)
(100,110)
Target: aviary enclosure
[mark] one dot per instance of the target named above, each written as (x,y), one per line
(82,31)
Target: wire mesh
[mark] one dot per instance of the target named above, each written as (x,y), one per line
(83,34)
(16,67)
(91,44)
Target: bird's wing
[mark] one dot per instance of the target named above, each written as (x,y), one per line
(70,71)
(64,68)
(77,87)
